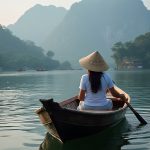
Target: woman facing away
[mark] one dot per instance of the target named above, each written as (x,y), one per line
(94,84)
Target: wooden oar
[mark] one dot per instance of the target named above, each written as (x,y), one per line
(136,114)
(132,109)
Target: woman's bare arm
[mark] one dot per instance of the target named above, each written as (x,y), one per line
(81,95)
(115,93)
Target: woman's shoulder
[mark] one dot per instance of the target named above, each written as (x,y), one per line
(106,75)
(85,76)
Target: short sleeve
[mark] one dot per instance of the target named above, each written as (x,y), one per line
(110,83)
(82,83)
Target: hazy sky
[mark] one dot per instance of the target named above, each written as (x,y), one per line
(11,10)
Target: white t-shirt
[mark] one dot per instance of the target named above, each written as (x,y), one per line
(99,98)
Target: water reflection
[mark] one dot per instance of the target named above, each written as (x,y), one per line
(138,138)
(110,139)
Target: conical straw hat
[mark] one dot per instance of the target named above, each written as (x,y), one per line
(94,62)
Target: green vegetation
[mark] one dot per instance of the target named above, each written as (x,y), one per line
(16,54)
(133,54)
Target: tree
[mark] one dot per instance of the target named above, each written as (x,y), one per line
(16,54)
(50,54)
(118,49)
(138,50)
(65,65)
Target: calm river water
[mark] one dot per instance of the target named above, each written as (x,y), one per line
(20,128)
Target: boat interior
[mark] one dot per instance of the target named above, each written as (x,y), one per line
(73,103)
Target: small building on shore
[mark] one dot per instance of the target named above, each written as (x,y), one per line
(129,64)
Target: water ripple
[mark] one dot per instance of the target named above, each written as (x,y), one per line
(20,94)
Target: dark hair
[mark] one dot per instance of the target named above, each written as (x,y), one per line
(95,80)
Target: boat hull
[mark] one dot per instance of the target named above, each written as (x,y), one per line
(67,131)
(65,122)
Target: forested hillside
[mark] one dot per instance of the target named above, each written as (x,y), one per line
(133,54)
(16,54)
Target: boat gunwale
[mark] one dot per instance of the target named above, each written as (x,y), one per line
(100,112)
(65,102)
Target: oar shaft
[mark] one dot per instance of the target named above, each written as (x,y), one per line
(136,114)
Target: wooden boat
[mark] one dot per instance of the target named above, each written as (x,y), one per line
(64,122)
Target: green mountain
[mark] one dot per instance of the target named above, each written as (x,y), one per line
(38,22)
(133,54)
(16,54)
(96,25)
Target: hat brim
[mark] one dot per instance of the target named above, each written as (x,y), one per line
(85,63)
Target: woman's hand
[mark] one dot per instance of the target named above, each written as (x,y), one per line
(123,97)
